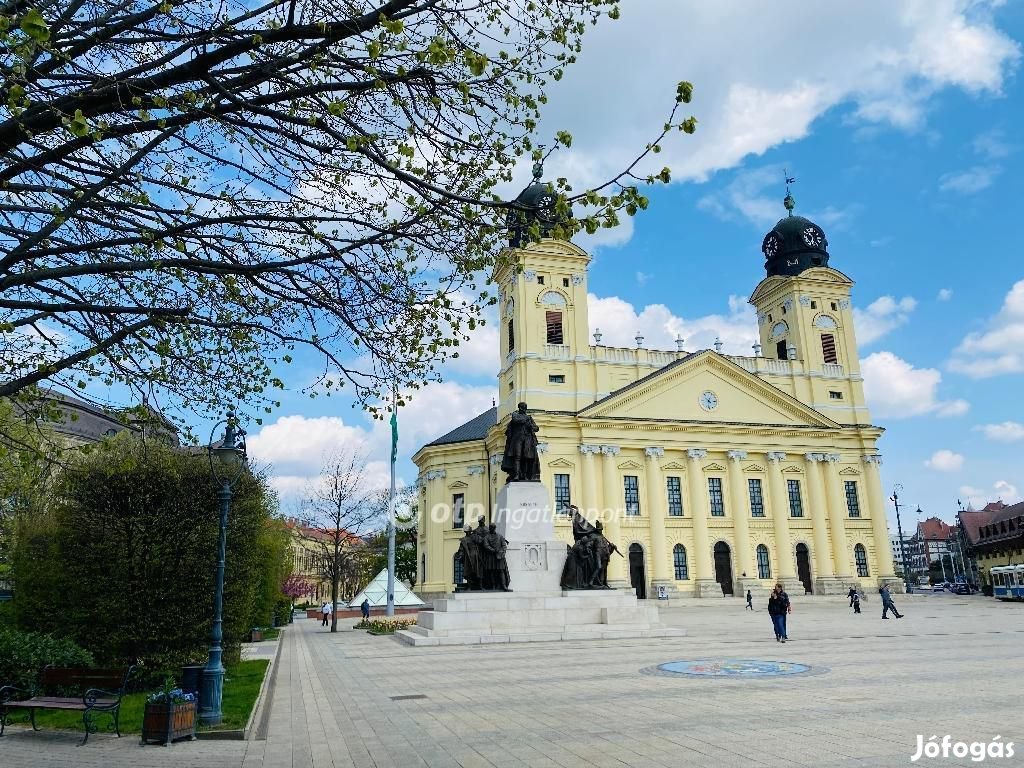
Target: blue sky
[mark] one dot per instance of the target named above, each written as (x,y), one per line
(898,122)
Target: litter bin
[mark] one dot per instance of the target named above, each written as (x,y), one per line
(191,679)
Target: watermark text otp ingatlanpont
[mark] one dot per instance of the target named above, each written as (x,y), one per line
(946,747)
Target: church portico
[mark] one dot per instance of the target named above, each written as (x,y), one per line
(721,471)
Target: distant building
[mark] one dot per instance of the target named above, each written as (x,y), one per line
(897,551)
(931,544)
(1000,540)
(968,532)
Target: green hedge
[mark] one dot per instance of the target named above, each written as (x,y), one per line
(24,654)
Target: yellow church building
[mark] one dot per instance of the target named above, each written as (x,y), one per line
(712,473)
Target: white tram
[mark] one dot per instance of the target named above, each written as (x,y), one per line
(1007,582)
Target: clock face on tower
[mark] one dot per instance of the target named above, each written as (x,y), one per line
(771,245)
(708,400)
(546,207)
(813,237)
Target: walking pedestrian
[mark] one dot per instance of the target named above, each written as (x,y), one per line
(851,594)
(888,604)
(325,609)
(750,601)
(777,612)
(785,614)
(365,608)
(855,602)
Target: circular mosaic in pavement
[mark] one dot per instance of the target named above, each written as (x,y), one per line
(735,668)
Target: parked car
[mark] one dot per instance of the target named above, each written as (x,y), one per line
(963,589)
(938,588)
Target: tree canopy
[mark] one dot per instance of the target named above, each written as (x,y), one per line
(191,191)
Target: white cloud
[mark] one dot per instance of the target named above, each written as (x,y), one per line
(1005,432)
(895,389)
(998,350)
(945,461)
(619,322)
(945,294)
(881,316)
(974,179)
(642,278)
(992,145)
(884,60)
(1000,490)
(753,196)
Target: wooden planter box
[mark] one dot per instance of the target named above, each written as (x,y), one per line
(255,635)
(167,723)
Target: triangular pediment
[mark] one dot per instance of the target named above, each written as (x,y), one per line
(849,471)
(673,465)
(678,392)
(753,468)
(793,469)
(713,467)
(560,462)
(630,464)
(458,484)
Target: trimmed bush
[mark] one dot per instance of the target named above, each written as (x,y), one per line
(24,654)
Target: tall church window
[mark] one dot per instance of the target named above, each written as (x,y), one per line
(511,336)
(458,511)
(860,557)
(715,495)
(796,508)
(632,489)
(780,350)
(852,502)
(554,325)
(679,561)
(764,567)
(562,499)
(675,497)
(828,348)
(756,498)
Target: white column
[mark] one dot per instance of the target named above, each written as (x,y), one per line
(590,501)
(740,513)
(656,512)
(876,508)
(695,483)
(816,501)
(837,516)
(614,508)
(780,516)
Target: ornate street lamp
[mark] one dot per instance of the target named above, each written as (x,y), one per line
(227,463)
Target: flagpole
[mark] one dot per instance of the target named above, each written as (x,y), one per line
(390,610)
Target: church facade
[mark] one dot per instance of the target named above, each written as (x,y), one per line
(712,473)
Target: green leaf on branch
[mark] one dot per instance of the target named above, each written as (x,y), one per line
(34,25)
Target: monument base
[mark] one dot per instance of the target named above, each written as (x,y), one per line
(474,618)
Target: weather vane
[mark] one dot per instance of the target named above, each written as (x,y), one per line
(788,201)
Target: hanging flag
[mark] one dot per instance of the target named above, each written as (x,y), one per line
(394,433)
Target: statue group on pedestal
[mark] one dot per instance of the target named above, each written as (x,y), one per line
(482,552)
(586,563)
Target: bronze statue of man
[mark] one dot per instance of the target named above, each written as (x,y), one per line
(520,459)
(496,575)
(469,553)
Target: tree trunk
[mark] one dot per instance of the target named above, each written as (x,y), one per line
(335,578)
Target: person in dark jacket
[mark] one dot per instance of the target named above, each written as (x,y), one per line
(750,601)
(856,602)
(365,608)
(888,604)
(851,594)
(777,611)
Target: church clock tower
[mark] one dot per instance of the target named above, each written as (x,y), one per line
(543,310)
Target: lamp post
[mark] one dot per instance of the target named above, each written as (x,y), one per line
(899,532)
(227,463)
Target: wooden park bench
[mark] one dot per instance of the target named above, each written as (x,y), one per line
(99,692)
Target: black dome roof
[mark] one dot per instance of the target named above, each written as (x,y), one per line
(535,204)
(794,245)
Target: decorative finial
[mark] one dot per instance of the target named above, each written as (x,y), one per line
(538,166)
(757,350)
(597,335)
(788,200)
(639,339)
(718,345)
(679,342)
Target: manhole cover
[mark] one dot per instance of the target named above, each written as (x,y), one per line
(731,668)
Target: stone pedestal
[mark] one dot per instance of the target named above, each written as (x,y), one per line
(535,556)
(537,609)
(832,585)
(708,588)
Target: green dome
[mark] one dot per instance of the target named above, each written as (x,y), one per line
(536,203)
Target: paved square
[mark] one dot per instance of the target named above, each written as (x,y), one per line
(952,666)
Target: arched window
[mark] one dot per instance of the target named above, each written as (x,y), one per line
(457,570)
(679,561)
(764,566)
(553,298)
(860,557)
